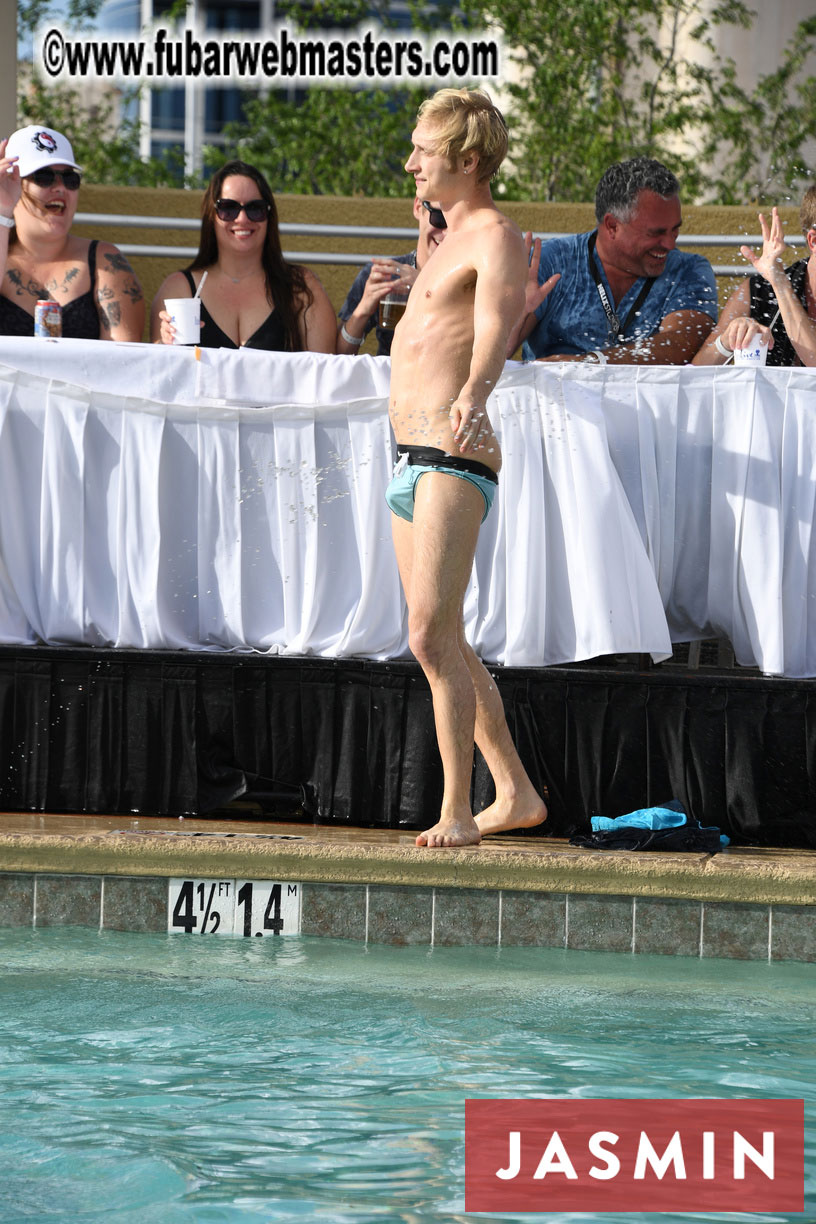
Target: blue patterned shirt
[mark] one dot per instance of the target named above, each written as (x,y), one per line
(571,319)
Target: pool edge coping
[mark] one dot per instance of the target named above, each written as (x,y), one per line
(741,876)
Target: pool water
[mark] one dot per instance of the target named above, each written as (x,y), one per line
(173,1079)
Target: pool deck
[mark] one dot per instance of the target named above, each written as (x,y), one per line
(146,846)
(376,885)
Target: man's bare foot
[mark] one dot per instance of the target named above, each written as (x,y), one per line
(451,831)
(506,814)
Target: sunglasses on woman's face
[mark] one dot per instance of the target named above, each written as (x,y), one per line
(230,210)
(46,176)
(436,215)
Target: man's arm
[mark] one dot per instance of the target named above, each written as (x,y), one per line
(497,305)
(675,342)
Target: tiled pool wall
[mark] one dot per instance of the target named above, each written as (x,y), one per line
(430,916)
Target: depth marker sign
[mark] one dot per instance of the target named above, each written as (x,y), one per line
(233,907)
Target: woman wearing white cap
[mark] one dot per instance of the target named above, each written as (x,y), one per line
(40,258)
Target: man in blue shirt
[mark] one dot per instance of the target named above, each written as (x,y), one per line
(622,293)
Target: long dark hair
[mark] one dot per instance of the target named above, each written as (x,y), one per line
(286,286)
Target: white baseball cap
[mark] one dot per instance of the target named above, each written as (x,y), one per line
(36,146)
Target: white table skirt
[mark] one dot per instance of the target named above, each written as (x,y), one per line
(236,502)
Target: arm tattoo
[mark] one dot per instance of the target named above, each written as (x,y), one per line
(118,262)
(111,315)
(131,287)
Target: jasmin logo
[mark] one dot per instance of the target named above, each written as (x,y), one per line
(45,142)
(665,1155)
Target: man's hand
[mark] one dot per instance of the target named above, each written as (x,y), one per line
(534,294)
(384,276)
(468,422)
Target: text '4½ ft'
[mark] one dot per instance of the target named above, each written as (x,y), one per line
(233,907)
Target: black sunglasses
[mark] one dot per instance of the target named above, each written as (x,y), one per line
(46,176)
(436,215)
(229,210)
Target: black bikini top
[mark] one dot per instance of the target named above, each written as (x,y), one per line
(80,318)
(270,335)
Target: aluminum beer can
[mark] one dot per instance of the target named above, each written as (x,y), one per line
(48,319)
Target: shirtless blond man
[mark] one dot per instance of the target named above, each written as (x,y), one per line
(446,356)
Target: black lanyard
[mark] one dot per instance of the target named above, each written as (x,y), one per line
(614,322)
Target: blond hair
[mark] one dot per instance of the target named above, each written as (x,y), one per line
(807,210)
(466,121)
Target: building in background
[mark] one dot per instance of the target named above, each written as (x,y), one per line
(186,117)
(190,116)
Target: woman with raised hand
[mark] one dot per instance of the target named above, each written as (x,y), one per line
(253,297)
(778,304)
(40,258)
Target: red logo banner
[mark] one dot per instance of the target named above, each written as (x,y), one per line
(638,1155)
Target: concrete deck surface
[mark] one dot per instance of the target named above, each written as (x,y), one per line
(264,849)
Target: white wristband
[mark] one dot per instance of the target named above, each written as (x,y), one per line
(6,222)
(722,349)
(354,341)
(601,356)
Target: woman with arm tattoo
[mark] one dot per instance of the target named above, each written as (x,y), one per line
(40,258)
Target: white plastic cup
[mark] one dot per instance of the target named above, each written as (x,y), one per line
(185,315)
(755,354)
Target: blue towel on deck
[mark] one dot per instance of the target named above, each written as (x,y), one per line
(665,827)
(669,817)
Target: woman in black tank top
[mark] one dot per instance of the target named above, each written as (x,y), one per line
(253,298)
(94,284)
(777,305)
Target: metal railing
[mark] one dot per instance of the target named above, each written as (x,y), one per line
(370,233)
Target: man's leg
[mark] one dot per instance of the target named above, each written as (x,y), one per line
(518,804)
(435,557)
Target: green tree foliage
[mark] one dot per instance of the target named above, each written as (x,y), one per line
(31,13)
(329,142)
(107,152)
(593,81)
(601,80)
(332,141)
(754,141)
